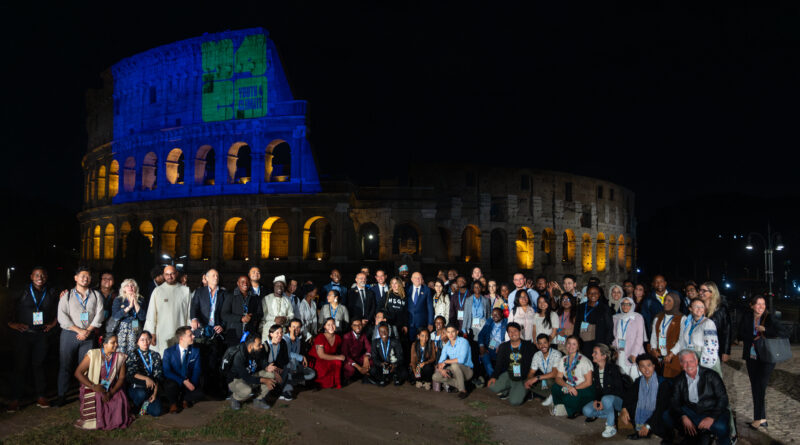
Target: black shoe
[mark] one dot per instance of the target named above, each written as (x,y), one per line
(634,436)
(574,415)
(61,401)
(590,419)
(462,395)
(398,382)
(504,396)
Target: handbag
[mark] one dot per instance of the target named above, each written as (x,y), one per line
(773,350)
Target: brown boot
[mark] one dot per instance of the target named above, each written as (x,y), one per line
(41,402)
(13,406)
(173,409)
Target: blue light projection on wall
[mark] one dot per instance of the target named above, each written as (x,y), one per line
(211,115)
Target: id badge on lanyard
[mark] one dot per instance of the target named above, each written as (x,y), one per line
(476,322)
(460,315)
(584,325)
(560,339)
(38,318)
(662,345)
(493,344)
(84,317)
(621,344)
(135,324)
(517,370)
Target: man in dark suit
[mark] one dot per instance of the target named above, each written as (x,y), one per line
(208,327)
(387,359)
(182,371)
(380,289)
(420,306)
(361,300)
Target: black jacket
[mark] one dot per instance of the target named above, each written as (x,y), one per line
(201,306)
(23,307)
(745,334)
(722,320)
(527,350)
(614,382)
(711,394)
(631,398)
(233,311)
(377,352)
(282,358)
(600,316)
(396,310)
(356,309)
(240,368)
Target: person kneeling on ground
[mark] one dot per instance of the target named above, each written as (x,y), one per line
(514,359)
(573,383)
(609,387)
(144,372)
(101,373)
(423,357)
(699,402)
(646,400)
(252,374)
(182,371)
(455,362)
(544,368)
(356,349)
(299,371)
(387,359)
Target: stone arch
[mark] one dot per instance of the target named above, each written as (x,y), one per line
(586,253)
(108,242)
(471,243)
(113,179)
(600,252)
(275,238)
(234,240)
(200,240)
(369,236)
(239,163)
(497,248)
(129,175)
(93,185)
(278,161)
(316,238)
(568,247)
(204,166)
(175,166)
(96,242)
(612,252)
(146,228)
(149,171)
(405,239)
(621,251)
(124,230)
(525,243)
(170,239)
(101,182)
(548,246)
(628,255)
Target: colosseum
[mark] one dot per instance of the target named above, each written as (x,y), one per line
(198,156)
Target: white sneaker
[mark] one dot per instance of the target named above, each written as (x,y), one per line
(559,411)
(548,401)
(610,431)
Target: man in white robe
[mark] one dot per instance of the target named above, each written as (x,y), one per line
(277,308)
(168,310)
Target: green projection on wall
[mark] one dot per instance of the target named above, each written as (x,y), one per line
(234,84)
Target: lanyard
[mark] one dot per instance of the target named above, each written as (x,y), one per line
(515,355)
(571,365)
(461,299)
(547,362)
(562,320)
(586,314)
(694,325)
(273,352)
(494,300)
(496,330)
(477,308)
(333,312)
(107,365)
(386,349)
(212,298)
(755,325)
(147,366)
(664,325)
(83,303)
(624,328)
(33,297)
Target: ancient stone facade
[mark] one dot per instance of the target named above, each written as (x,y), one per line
(239,187)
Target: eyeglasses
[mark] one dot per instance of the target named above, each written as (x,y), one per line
(625,304)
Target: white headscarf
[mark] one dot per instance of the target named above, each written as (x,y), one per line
(615,303)
(626,315)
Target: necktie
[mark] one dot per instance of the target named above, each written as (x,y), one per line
(361,292)
(183,360)
(416,294)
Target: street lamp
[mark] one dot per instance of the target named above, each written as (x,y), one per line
(772,242)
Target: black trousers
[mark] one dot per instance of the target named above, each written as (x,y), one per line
(211,351)
(176,392)
(30,353)
(426,374)
(759,373)
(400,374)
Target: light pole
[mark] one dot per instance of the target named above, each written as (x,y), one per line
(772,242)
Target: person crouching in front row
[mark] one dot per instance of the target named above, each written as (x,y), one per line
(182,370)
(513,368)
(387,359)
(253,375)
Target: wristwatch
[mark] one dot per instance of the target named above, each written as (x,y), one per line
(647,425)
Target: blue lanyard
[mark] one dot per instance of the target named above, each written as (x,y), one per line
(244,304)
(477,308)
(624,328)
(694,325)
(107,365)
(664,324)
(333,312)
(755,325)
(496,330)
(562,319)
(386,349)
(33,297)
(571,365)
(147,366)
(461,300)
(83,303)
(213,299)
(547,362)
(586,314)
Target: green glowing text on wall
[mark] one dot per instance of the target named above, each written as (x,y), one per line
(234,83)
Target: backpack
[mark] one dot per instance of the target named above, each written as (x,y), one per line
(226,367)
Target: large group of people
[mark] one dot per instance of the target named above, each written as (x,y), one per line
(648,360)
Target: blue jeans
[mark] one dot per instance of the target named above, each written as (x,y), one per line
(486,360)
(719,428)
(138,396)
(611,405)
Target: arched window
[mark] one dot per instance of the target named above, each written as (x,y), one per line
(568,247)
(113,179)
(170,239)
(234,242)
(204,165)
(101,182)
(93,185)
(586,253)
(149,171)
(548,246)
(600,246)
(146,228)
(96,243)
(525,245)
(87,247)
(621,251)
(471,244)
(497,249)
(612,252)
(87,186)
(124,230)
(278,161)
(628,255)
(239,163)
(108,242)
(200,240)
(405,240)
(369,236)
(129,175)
(275,238)
(175,166)
(317,239)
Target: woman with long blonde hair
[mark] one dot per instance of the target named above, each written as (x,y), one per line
(129,313)
(717,311)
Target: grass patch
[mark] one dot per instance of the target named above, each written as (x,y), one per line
(243,426)
(477,404)
(474,430)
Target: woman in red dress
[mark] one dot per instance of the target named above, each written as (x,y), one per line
(327,351)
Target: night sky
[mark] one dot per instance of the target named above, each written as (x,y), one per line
(693,109)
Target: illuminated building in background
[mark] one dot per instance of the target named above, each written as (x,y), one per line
(198,155)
